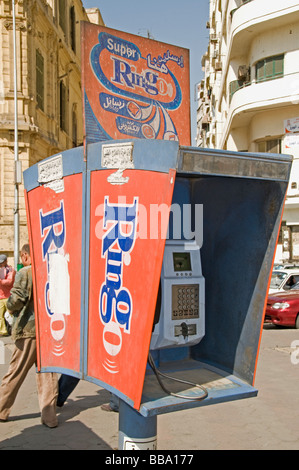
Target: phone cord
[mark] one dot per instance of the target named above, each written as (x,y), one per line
(158,374)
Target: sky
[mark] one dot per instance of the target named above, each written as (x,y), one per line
(176,22)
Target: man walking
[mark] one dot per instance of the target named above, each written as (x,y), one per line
(20,305)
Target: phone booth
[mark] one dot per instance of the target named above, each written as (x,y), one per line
(151,259)
(151,266)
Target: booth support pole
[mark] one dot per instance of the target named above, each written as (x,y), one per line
(136,432)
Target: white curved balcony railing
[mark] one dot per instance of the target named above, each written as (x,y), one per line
(262,95)
(256,11)
(246,23)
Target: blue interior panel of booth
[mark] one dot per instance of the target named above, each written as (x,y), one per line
(241,222)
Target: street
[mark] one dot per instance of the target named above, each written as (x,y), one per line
(269,421)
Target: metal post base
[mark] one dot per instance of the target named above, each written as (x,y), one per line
(136,432)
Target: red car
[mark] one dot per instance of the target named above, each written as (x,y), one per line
(283,308)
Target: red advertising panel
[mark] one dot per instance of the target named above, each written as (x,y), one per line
(128,227)
(55,226)
(133,87)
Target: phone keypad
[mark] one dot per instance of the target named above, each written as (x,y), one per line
(185,301)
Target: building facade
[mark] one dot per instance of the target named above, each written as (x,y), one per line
(248,99)
(49,102)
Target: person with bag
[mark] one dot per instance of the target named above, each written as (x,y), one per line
(20,304)
(7,277)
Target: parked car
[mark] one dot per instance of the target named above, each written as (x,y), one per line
(283,280)
(286,266)
(283,308)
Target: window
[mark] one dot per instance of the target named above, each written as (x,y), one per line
(269,68)
(73,28)
(39,75)
(75,128)
(270,146)
(62,105)
(62,16)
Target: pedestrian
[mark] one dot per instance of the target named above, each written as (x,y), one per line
(67,384)
(20,304)
(113,405)
(7,277)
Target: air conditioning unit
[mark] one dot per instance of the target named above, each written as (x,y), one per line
(244,72)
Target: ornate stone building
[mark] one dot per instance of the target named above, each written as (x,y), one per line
(49,103)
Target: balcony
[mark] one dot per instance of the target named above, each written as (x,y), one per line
(241,3)
(255,96)
(235,85)
(267,69)
(252,17)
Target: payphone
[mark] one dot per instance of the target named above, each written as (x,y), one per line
(180,319)
(220,182)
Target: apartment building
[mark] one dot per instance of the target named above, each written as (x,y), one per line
(248,99)
(49,104)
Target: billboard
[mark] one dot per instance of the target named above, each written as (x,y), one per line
(133,87)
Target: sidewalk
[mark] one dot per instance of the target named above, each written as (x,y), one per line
(269,421)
